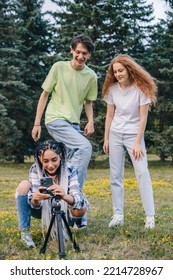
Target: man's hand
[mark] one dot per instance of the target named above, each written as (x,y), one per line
(89,129)
(36,132)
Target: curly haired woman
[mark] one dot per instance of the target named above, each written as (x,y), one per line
(128,90)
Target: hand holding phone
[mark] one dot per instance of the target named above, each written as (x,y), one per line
(46,182)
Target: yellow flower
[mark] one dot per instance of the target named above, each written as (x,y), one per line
(101,188)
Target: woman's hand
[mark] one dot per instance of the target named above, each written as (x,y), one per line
(106,147)
(57,190)
(137,151)
(38,196)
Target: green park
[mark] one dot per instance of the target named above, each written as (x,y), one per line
(30,42)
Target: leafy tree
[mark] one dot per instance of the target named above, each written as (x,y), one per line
(159,60)
(25,44)
(11,82)
(170,2)
(169,136)
(9,134)
(164,143)
(115,26)
(35,40)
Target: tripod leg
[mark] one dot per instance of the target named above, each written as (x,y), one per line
(43,249)
(75,245)
(60,236)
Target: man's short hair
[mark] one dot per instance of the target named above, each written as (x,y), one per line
(84,40)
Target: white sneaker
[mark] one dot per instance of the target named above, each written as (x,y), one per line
(149,223)
(117,219)
(75,226)
(26,238)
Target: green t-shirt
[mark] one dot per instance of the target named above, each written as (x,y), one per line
(69,88)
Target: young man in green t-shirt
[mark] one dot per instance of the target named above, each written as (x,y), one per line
(72,85)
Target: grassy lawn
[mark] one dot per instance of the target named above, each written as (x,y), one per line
(97,241)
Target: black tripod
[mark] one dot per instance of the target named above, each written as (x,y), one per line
(60,216)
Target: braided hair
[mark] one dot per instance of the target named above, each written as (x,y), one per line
(59,149)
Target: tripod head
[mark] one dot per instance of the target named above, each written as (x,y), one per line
(55,201)
(57,198)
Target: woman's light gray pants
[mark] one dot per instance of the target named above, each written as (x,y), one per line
(118,144)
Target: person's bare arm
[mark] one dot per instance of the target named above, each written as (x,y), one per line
(137,149)
(109,117)
(36,131)
(89,128)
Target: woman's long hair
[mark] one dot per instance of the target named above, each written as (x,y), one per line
(58,148)
(137,75)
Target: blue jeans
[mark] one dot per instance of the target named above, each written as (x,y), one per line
(118,144)
(25,211)
(78,147)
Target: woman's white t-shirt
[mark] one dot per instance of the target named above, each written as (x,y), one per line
(127,108)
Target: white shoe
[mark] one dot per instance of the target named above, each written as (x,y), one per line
(117,219)
(149,223)
(75,226)
(26,238)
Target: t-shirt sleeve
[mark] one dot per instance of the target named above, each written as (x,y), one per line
(144,99)
(109,98)
(92,93)
(51,79)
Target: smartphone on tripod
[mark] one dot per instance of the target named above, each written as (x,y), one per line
(46,182)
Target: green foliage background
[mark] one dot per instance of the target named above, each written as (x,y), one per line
(30,43)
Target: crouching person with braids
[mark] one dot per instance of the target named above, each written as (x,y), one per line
(50,161)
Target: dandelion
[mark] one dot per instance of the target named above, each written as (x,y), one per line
(101,188)
(166,239)
(48,257)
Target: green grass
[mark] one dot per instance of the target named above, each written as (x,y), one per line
(97,241)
